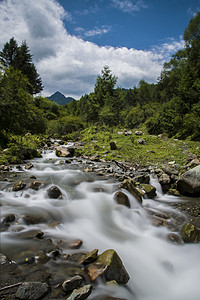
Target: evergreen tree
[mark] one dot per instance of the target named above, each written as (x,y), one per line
(20,58)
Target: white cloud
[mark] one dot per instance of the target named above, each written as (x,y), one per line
(93,32)
(67,63)
(129,6)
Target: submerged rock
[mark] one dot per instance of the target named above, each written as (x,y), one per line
(110,266)
(189,182)
(72,283)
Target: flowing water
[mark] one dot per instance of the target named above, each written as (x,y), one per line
(158,269)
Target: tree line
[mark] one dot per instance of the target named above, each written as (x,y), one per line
(171,106)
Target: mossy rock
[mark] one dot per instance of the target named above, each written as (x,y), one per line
(129,185)
(110,266)
(20,185)
(148,190)
(190,234)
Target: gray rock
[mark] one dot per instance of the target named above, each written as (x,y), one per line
(32,290)
(189,183)
(35,185)
(141,142)
(81,293)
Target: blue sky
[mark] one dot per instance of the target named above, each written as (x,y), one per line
(133,24)
(72,40)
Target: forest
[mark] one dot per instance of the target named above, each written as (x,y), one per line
(171,106)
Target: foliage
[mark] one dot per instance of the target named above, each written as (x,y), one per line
(65,125)
(19,58)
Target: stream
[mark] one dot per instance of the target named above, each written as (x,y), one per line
(158,268)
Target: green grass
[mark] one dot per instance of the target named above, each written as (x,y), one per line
(155,151)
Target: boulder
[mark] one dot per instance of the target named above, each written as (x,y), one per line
(54,192)
(148,190)
(122,199)
(190,234)
(64,152)
(165,180)
(32,290)
(189,183)
(129,185)
(90,257)
(110,266)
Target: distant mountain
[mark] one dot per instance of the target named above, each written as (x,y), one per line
(60,98)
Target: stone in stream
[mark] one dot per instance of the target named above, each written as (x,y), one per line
(122,199)
(54,192)
(190,234)
(20,185)
(72,283)
(110,266)
(32,290)
(165,180)
(129,185)
(35,185)
(189,183)
(81,293)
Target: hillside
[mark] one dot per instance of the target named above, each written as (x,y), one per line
(60,98)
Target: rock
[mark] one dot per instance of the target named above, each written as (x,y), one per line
(170,170)
(29,153)
(35,185)
(90,257)
(75,244)
(110,266)
(113,146)
(190,234)
(34,219)
(32,290)
(29,166)
(189,183)
(54,192)
(20,185)
(72,283)
(9,219)
(81,293)
(148,190)
(108,298)
(141,142)
(142,178)
(64,152)
(122,199)
(165,180)
(129,185)
(138,132)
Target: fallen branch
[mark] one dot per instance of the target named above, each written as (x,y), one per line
(10,286)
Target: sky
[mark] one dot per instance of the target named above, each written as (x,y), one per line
(72,40)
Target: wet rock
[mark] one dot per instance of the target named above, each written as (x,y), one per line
(54,192)
(142,178)
(108,298)
(75,244)
(173,192)
(110,266)
(81,293)
(9,219)
(34,219)
(32,290)
(189,182)
(113,146)
(129,185)
(30,233)
(88,169)
(174,238)
(41,257)
(64,152)
(148,190)
(35,185)
(29,166)
(72,283)
(190,234)
(122,199)
(170,170)
(165,180)
(20,185)
(90,257)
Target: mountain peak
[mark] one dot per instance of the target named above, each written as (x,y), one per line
(59,98)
